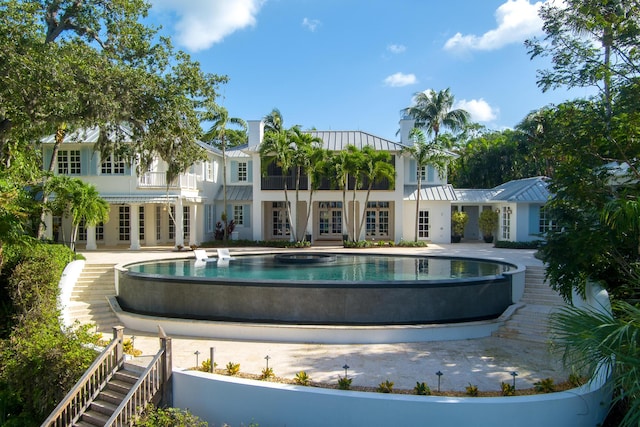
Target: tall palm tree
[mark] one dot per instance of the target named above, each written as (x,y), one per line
(433,111)
(273,122)
(217,134)
(318,168)
(376,166)
(303,144)
(424,154)
(277,148)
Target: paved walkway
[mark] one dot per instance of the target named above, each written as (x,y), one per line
(483,362)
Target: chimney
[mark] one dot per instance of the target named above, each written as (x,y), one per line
(406,125)
(256,132)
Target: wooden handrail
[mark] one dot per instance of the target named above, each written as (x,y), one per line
(90,384)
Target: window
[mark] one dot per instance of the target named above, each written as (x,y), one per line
(112,165)
(141,222)
(506,223)
(158,223)
(421,173)
(82,231)
(124,223)
(238,214)
(208,171)
(242,172)
(210,218)
(69,162)
(172,225)
(330,219)
(423,224)
(546,224)
(186,222)
(377,219)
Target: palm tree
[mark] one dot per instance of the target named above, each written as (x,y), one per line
(424,154)
(273,122)
(277,148)
(376,166)
(303,144)
(318,168)
(217,134)
(434,111)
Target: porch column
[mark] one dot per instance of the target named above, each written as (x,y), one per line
(134,226)
(179,223)
(193,221)
(48,226)
(91,238)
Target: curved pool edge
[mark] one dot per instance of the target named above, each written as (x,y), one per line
(316,334)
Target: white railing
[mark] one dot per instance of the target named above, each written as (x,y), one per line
(159,180)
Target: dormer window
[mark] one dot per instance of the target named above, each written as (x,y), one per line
(242,172)
(69,162)
(112,165)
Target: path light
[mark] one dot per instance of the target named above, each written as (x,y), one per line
(439,374)
(197,353)
(212,353)
(267,359)
(514,374)
(133,342)
(346,368)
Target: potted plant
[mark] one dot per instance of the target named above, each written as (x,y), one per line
(459,220)
(488,224)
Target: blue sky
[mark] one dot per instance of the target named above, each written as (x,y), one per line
(354,64)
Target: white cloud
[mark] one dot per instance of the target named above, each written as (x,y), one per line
(396,48)
(202,23)
(479,109)
(400,79)
(516,21)
(311,24)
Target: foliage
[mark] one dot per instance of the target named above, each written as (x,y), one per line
(545,385)
(168,417)
(127,348)
(412,244)
(233,368)
(221,231)
(422,389)
(267,373)
(471,390)
(302,378)
(459,220)
(385,387)
(434,112)
(344,383)
(506,244)
(488,222)
(40,360)
(205,366)
(507,389)
(596,343)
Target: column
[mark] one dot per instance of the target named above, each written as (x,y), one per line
(179,223)
(91,238)
(193,220)
(134,227)
(48,226)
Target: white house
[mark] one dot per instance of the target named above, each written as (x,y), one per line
(147,212)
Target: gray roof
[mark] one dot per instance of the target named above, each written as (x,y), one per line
(338,140)
(430,192)
(236,193)
(89,135)
(527,190)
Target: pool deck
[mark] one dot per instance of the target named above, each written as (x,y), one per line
(484,362)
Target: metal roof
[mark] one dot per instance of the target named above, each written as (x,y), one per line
(236,193)
(126,199)
(431,193)
(528,190)
(88,135)
(338,140)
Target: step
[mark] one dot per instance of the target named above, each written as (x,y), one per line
(103,407)
(120,386)
(127,375)
(112,396)
(94,418)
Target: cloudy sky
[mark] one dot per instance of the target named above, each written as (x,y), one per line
(354,64)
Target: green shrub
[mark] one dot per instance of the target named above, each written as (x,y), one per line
(385,387)
(507,389)
(267,373)
(344,383)
(545,386)
(302,378)
(233,368)
(205,366)
(505,244)
(167,417)
(471,390)
(422,389)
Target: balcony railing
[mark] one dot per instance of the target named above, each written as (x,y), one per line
(159,180)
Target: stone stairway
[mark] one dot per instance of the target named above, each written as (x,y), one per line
(88,302)
(531,321)
(103,406)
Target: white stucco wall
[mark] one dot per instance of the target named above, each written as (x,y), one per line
(439,220)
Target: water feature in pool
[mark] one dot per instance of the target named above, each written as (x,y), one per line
(322,267)
(336,289)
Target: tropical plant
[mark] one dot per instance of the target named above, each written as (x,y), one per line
(459,220)
(376,166)
(302,378)
(343,168)
(233,368)
(166,417)
(344,383)
(424,154)
(273,122)
(422,389)
(385,387)
(434,112)
(217,134)
(488,223)
(507,389)
(471,390)
(267,373)
(545,385)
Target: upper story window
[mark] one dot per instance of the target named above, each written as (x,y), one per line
(546,223)
(208,170)
(112,165)
(421,173)
(69,162)
(242,172)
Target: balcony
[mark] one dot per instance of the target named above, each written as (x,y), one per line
(159,180)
